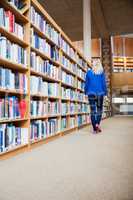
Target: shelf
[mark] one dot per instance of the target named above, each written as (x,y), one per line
(12,65)
(20,17)
(13,149)
(8,91)
(52,97)
(38,95)
(80,78)
(67,85)
(68,70)
(54,115)
(33,72)
(44,56)
(12,120)
(38,117)
(69,57)
(84,69)
(80,90)
(12,37)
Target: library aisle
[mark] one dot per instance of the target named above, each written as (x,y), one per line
(79,166)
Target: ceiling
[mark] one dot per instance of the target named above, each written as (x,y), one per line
(109,17)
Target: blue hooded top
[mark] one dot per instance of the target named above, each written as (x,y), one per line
(95,84)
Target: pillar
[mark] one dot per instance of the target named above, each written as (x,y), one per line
(87,28)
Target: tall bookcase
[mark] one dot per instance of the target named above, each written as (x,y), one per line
(47,100)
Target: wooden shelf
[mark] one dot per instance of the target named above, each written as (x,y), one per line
(23,17)
(12,37)
(12,65)
(20,17)
(8,91)
(67,85)
(33,72)
(13,149)
(44,56)
(12,120)
(68,70)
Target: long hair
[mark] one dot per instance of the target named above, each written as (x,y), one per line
(97,67)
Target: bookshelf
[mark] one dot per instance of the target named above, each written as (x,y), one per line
(43,78)
(122,64)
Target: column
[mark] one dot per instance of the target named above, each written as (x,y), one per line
(87,28)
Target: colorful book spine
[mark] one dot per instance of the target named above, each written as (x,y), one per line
(13,80)
(40,43)
(38,108)
(8,21)
(44,66)
(72,122)
(81,74)
(73,108)
(53,107)
(68,64)
(68,49)
(68,94)
(38,86)
(68,79)
(12,108)
(12,51)
(38,130)
(12,136)
(82,119)
(64,108)
(19,4)
(81,85)
(63,123)
(40,22)
(53,89)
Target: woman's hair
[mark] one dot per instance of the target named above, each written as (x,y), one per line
(97,66)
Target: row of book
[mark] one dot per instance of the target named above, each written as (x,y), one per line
(44,66)
(63,123)
(81,74)
(81,62)
(64,108)
(11,80)
(12,136)
(68,64)
(40,87)
(19,4)
(43,129)
(53,107)
(81,85)
(40,43)
(12,51)
(8,21)
(83,108)
(68,79)
(40,22)
(72,122)
(68,93)
(83,119)
(12,107)
(38,108)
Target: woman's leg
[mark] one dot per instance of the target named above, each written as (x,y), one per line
(92,101)
(99,109)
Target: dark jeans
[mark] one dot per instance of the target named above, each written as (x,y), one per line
(96,107)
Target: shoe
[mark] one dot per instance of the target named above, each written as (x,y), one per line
(98,128)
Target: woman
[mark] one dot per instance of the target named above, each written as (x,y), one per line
(95,88)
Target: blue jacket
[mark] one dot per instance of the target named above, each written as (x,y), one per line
(95,84)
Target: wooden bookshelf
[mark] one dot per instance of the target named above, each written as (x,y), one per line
(23,17)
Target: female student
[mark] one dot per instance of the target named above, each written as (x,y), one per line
(95,88)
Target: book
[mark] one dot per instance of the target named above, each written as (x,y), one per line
(42,24)
(40,43)
(53,107)
(68,49)
(53,90)
(73,108)
(12,51)
(11,107)
(72,122)
(68,93)
(11,80)
(8,21)
(44,66)
(19,4)
(81,73)
(80,85)
(64,108)
(63,123)
(38,130)
(68,79)
(12,136)
(38,108)
(38,86)
(68,64)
